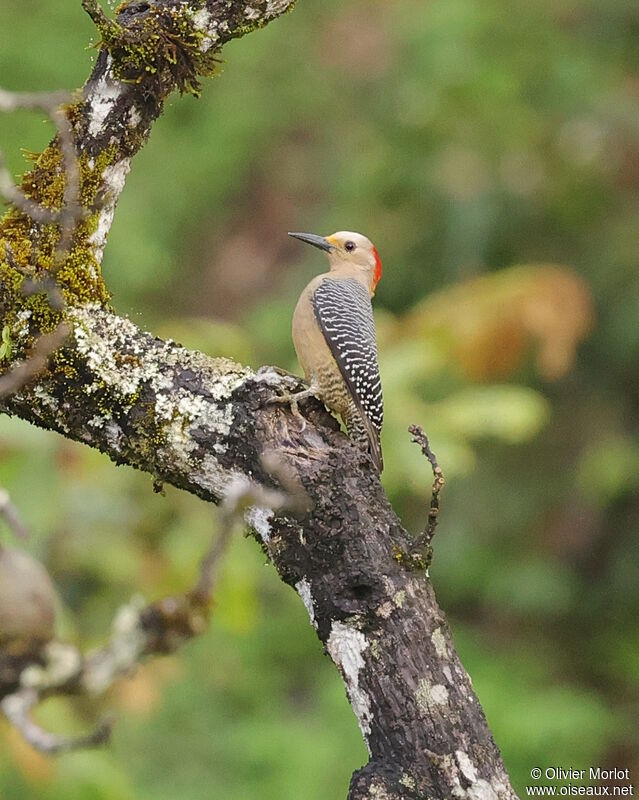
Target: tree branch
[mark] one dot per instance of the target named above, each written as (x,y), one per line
(202,424)
(199,423)
(17,709)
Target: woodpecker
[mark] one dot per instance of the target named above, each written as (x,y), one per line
(334,337)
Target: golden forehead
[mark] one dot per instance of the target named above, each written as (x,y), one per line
(340,237)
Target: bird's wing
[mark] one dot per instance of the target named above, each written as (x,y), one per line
(345,316)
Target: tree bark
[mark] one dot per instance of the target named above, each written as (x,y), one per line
(199,422)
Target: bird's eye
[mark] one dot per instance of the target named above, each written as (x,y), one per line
(350,246)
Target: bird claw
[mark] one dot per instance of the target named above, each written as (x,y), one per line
(297,414)
(281,399)
(292,400)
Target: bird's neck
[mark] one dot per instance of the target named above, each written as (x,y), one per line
(342,270)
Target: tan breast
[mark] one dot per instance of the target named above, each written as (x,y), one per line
(314,353)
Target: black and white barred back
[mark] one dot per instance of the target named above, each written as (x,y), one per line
(345,315)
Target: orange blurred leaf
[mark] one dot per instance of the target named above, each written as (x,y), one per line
(489,324)
(142,692)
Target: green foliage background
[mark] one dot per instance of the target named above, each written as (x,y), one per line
(477,142)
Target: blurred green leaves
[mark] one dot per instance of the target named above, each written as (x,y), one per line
(514,414)
(609,470)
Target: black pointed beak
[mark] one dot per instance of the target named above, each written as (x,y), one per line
(314,239)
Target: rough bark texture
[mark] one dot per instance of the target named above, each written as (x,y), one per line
(199,422)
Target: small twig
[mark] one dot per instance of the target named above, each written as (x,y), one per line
(240,495)
(40,214)
(426,536)
(203,589)
(99,18)
(71,211)
(46,286)
(36,361)
(12,516)
(47,101)
(8,253)
(95,11)
(17,709)
(297,499)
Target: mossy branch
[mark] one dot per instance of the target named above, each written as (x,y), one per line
(68,197)
(108,28)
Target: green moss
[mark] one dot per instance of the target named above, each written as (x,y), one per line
(63,366)
(162,48)
(28,250)
(44,183)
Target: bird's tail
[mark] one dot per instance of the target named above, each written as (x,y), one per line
(361,430)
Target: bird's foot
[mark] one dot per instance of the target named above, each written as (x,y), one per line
(292,400)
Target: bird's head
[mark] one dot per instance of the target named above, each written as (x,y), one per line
(348,250)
